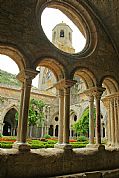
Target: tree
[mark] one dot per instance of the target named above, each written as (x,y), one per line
(36,115)
(81,127)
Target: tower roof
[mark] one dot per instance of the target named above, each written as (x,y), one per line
(63,25)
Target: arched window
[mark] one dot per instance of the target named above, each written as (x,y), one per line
(62,33)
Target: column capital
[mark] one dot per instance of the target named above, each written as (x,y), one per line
(65,84)
(94,92)
(106,102)
(26,75)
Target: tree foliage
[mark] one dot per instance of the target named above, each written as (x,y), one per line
(81,127)
(36,115)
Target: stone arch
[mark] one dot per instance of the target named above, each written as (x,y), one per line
(9,122)
(86,75)
(15,55)
(54,66)
(9,107)
(110,84)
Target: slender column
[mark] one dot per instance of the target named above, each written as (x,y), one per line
(106,102)
(27,89)
(118,118)
(112,122)
(61,116)
(54,130)
(66,115)
(42,131)
(20,114)
(116,122)
(109,124)
(91,119)
(98,118)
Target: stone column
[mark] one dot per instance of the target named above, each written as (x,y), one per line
(91,120)
(20,114)
(106,102)
(118,119)
(54,127)
(112,122)
(66,115)
(61,116)
(98,119)
(98,93)
(64,85)
(27,89)
(26,76)
(89,94)
(109,123)
(116,122)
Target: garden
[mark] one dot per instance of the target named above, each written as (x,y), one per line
(7,142)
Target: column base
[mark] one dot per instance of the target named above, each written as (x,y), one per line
(21,146)
(115,146)
(100,147)
(90,145)
(64,146)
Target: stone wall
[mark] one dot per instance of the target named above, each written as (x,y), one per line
(57,162)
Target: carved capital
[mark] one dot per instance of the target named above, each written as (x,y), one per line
(26,75)
(64,84)
(94,91)
(106,102)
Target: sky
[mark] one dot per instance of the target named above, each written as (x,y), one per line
(49,19)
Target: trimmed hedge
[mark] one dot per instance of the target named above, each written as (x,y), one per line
(37,144)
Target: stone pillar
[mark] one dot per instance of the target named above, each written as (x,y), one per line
(116,122)
(109,136)
(66,115)
(98,93)
(42,131)
(91,120)
(89,94)
(64,85)
(61,116)
(20,114)
(112,122)
(118,118)
(26,77)
(106,102)
(27,89)
(54,127)
(98,119)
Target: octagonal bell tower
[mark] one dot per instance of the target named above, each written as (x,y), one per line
(62,37)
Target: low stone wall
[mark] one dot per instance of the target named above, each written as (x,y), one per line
(57,162)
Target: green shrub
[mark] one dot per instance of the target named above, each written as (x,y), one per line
(82,138)
(1,135)
(37,146)
(51,141)
(46,136)
(5,145)
(49,146)
(78,145)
